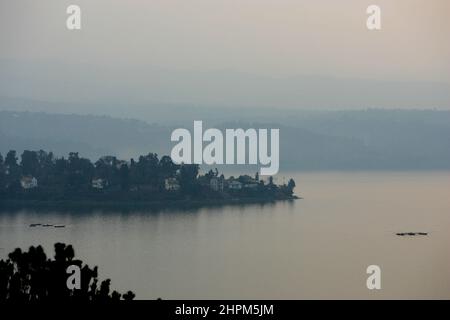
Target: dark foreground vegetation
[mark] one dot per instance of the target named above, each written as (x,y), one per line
(40,178)
(30,276)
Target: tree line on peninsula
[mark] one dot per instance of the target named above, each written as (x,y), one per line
(39,175)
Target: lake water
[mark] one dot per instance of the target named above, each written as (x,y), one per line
(317,247)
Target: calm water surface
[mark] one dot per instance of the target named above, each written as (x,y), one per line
(318,247)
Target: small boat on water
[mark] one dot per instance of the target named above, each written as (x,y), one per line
(47,225)
(35,225)
(412,234)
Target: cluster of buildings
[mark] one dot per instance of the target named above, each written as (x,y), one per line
(219,183)
(215,183)
(170,184)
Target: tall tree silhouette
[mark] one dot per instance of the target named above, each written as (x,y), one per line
(30,276)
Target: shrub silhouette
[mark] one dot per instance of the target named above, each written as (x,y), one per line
(30,276)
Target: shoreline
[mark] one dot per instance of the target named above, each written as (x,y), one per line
(131,205)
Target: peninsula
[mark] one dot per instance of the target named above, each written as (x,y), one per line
(41,179)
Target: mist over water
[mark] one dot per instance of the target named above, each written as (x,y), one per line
(316,247)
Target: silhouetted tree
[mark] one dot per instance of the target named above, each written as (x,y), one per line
(106,169)
(11,159)
(291,186)
(80,170)
(147,167)
(12,170)
(124,177)
(29,163)
(45,174)
(2,173)
(30,276)
(167,167)
(188,176)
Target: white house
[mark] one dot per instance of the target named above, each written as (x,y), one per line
(98,183)
(171,184)
(235,185)
(251,186)
(28,182)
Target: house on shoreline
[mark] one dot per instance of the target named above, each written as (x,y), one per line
(234,185)
(171,184)
(28,182)
(98,183)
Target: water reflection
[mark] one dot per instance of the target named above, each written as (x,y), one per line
(317,247)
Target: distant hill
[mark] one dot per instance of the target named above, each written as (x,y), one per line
(75,81)
(92,136)
(338,140)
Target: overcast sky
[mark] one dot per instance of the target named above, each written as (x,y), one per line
(290,53)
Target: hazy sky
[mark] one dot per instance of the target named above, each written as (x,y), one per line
(292,53)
